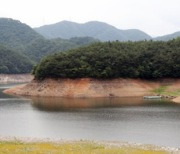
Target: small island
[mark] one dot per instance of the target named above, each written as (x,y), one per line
(110,69)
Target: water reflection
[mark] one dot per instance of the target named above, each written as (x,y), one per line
(58,104)
(110,119)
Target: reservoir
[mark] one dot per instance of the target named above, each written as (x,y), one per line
(131,120)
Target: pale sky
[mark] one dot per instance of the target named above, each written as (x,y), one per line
(155,17)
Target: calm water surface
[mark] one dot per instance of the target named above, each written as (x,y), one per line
(125,119)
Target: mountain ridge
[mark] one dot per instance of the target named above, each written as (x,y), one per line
(98,30)
(49,31)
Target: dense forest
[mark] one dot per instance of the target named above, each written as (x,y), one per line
(13,62)
(143,59)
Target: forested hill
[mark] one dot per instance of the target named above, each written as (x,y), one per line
(23,39)
(23,42)
(144,59)
(12,62)
(16,35)
(95,29)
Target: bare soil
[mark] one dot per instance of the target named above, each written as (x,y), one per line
(85,87)
(88,87)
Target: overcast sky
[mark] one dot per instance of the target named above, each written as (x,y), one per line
(155,17)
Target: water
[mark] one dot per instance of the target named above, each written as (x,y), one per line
(126,119)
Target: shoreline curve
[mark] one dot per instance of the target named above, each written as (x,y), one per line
(88,87)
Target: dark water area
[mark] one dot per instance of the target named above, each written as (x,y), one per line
(111,119)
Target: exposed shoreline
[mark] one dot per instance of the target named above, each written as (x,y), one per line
(85,87)
(176,100)
(15,78)
(88,88)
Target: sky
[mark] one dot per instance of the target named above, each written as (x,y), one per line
(155,17)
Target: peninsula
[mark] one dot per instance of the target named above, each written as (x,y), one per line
(110,69)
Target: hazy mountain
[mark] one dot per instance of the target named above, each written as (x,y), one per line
(95,29)
(168,37)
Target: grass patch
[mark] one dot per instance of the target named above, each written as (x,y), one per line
(163,90)
(71,148)
(173,93)
(160,90)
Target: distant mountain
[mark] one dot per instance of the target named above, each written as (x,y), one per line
(95,29)
(12,62)
(168,37)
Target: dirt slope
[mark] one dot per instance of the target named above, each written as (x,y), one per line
(85,87)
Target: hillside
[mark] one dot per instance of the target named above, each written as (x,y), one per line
(23,39)
(43,47)
(13,63)
(168,37)
(145,59)
(16,35)
(95,29)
